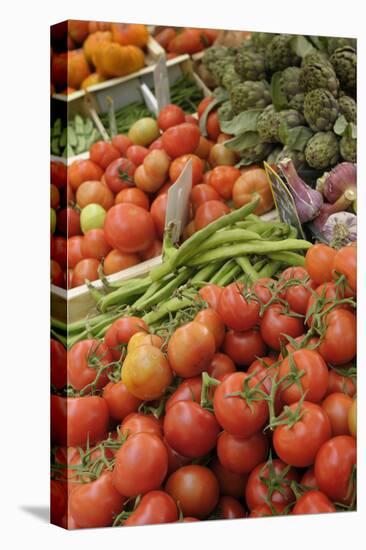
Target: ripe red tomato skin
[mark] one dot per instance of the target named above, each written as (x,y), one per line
(170,115)
(58,364)
(189,389)
(319,262)
(222,179)
(263,510)
(103,153)
(238,312)
(68,222)
(119,174)
(181,139)
(59,251)
(308,479)
(209,211)
(230,508)
(345,263)
(340,383)
(120,332)
(233,413)
(244,347)
(141,465)
(337,405)
(190,429)
(212,320)
(202,193)
(158,213)
(231,484)
(333,467)
(211,295)
(138,422)
(220,365)
(178,165)
(313,502)
(129,228)
(241,455)
(275,323)
(119,400)
(261,289)
(341,326)
(58,501)
(155,507)
(96,504)
(79,371)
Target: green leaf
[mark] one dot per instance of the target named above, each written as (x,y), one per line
(279,98)
(340,125)
(220,95)
(298,137)
(243,122)
(302,46)
(351,130)
(283,132)
(320,42)
(243,141)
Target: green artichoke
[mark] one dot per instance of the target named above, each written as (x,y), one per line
(348,108)
(322,150)
(319,75)
(315,57)
(335,42)
(211,55)
(348,148)
(297,102)
(279,53)
(255,154)
(250,65)
(297,157)
(225,112)
(320,110)
(268,125)
(219,68)
(250,95)
(260,40)
(290,82)
(230,78)
(344,61)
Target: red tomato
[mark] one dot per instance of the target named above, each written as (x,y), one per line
(191,119)
(59,251)
(240,415)
(308,479)
(241,455)
(319,262)
(244,347)
(55,196)
(141,465)
(58,174)
(231,484)
(154,250)
(136,423)
(57,274)
(220,365)
(190,429)
(276,488)
(313,502)
(68,222)
(208,212)
(181,139)
(212,320)
(202,193)
(298,442)
(341,383)
(85,269)
(119,174)
(76,420)
(94,245)
(203,104)
(97,503)
(230,508)
(211,295)
(83,170)
(238,311)
(341,328)
(116,261)
(188,390)
(337,406)
(213,125)
(222,179)
(195,488)
(158,213)
(276,323)
(263,510)
(119,400)
(85,361)
(157,144)
(264,288)
(155,507)
(120,332)
(58,364)
(129,228)
(179,164)
(324,298)
(298,295)
(345,263)
(169,116)
(74,251)
(133,195)
(204,147)
(313,381)
(334,467)
(103,153)
(58,501)
(136,154)
(122,143)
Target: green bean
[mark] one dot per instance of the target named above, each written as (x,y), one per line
(246,267)
(225,268)
(250,247)
(129,282)
(259,264)
(293,233)
(228,236)
(204,274)
(55,323)
(166,291)
(80,325)
(122,295)
(230,276)
(171,306)
(289,258)
(154,287)
(269,269)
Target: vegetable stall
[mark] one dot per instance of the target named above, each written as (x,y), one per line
(204,273)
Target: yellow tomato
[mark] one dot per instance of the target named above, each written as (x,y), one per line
(352,418)
(144,338)
(146,372)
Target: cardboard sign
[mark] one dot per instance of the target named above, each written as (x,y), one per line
(161,83)
(178,202)
(284,202)
(90,105)
(150,99)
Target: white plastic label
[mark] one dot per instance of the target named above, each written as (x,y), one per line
(150,99)
(161,83)
(178,202)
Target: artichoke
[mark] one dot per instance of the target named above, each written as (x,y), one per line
(255,154)
(260,40)
(344,61)
(211,55)
(297,102)
(322,150)
(297,157)
(250,65)
(320,110)
(319,75)
(268,125)
(225,112)
(348,148)
(279,53)
(290,82)
(348,108)
(250,95)
(335,42)
(230,78)
(315,57)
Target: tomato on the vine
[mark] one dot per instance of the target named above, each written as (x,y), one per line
(303,370)
(238,311)
(155,507)
(277,323)
(241,455)
(191,349)
(313,502)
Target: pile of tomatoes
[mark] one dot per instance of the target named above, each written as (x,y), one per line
(108,211)
(247,410)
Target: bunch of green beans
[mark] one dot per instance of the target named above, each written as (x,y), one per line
(236,247)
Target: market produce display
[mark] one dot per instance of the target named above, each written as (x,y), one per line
(222,382)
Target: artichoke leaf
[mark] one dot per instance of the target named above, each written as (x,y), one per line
(351,130)
(243,141)
(302,46)
(297,138)
(279,98)
(242,123)
(320,42)
(340,125)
